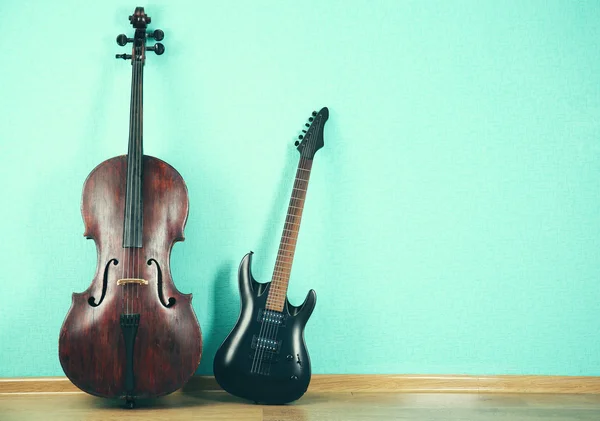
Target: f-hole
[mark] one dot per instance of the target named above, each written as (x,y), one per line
(92,300)
(161,297)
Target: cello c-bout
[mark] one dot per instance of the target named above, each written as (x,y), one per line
(132,334)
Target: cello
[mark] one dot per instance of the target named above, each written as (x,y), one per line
(132,334)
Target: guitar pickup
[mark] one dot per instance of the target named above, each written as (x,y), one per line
(264,344)
(272,317)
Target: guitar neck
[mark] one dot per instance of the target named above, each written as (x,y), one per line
(289,237)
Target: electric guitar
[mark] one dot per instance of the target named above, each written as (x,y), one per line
(264,358)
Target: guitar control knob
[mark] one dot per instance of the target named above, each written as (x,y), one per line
(294,377)
(290,357)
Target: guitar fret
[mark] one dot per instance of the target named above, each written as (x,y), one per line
(289,237)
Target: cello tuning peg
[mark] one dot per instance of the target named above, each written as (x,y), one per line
(122,40)
(123,56)
(158,48)
(314,113)
(158,35)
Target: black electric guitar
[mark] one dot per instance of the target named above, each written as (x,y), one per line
(264,358)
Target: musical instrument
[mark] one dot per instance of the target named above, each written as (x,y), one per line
(132,334)
(264,358)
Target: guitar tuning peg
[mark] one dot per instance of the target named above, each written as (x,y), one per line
(296,143)
(158,48)
(307,125)
(314,113)
(310,119)
(158,35)
(303,131)
(122,40)
(300,137)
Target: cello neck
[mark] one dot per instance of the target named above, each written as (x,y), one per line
(132,228)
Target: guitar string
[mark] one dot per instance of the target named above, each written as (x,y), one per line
(299,217)
(279,278)
(256,361)
(311,146)
(266,312)
(276,281)
(273,328)
(284,296)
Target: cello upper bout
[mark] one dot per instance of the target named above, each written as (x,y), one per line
(106,181)
(164,185)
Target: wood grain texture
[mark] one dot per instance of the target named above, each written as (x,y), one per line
(168,343)
(314,406)
(351,383)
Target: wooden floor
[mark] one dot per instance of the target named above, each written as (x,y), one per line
(217,405)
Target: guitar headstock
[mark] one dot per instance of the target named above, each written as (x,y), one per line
(140,20)
(312,139)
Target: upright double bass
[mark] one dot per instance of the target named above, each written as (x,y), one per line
(132,334)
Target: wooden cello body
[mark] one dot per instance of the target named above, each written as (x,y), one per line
(132,334)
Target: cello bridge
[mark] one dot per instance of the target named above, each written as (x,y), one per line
(126,281)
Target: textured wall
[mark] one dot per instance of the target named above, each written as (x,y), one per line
(452,223)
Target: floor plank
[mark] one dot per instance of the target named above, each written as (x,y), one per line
(314,406)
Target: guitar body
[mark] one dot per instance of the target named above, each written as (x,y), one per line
(271,373)
(264,358)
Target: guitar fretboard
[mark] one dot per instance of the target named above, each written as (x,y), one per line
(289,237)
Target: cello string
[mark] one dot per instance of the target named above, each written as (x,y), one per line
(132,161)
(127,227)
(131,226)
(137,180)
(135,204)
(140,162)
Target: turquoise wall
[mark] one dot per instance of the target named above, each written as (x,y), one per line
(452,222)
